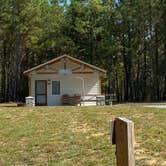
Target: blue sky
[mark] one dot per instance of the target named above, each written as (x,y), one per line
(68,1)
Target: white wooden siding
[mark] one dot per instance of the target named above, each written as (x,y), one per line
(69,84)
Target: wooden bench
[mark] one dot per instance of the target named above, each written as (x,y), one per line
(71,100)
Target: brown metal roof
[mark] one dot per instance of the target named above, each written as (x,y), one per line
(61,57)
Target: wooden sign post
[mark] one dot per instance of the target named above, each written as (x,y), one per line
(122,135)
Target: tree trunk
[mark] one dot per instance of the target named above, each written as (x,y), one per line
(144,95)
(126,83)
(164,42)
(129,57)
(157,93)
(152,66)
(164,94)
(17,66)
(137,87)
(3,72)
(117,86)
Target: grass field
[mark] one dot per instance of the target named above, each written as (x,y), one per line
(77,135)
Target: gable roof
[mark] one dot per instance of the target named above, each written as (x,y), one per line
(61,57)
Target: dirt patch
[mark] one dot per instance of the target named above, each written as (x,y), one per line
(83,128)
(96,135)
(19,163)
(42,158)
(23,142)
(3,143)
(144,154)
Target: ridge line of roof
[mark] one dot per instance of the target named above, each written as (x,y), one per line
(62,56)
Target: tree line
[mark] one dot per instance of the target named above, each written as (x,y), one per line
(126,37)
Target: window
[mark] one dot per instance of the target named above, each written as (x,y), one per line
(55,87)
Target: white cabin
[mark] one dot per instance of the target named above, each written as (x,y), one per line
(63,78)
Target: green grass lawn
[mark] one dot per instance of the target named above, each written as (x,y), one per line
(77,135)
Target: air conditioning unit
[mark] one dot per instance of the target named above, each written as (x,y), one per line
(30,101)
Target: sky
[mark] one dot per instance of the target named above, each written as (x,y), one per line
(68,1)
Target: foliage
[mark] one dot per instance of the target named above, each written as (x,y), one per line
(127,38)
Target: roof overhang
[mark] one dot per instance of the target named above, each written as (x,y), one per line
(55,60)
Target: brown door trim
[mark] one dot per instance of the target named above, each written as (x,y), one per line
(44,94)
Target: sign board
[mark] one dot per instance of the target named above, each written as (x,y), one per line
(65,71)
(122,135)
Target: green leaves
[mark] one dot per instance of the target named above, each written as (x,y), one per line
(118,36)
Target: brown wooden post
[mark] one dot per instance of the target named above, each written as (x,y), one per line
(123,136)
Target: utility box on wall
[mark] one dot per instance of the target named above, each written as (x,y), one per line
(30,101)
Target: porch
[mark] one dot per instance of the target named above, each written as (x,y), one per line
(78,100)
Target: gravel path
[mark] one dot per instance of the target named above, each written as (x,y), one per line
(156,106)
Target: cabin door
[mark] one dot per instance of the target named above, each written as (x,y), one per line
(41,92)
